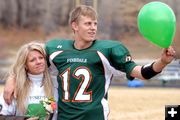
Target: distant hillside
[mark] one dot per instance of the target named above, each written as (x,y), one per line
(117,20)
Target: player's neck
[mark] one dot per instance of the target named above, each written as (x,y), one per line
(82,44)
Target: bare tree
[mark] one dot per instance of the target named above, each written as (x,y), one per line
(8,10)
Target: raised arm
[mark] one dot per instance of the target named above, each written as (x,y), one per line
(150,70)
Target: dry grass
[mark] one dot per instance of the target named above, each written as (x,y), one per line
(140,103)
(12,38)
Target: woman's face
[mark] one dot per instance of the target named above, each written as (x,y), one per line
(35,63)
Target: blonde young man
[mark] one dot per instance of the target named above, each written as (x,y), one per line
(85,67)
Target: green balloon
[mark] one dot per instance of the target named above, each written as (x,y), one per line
(157,23)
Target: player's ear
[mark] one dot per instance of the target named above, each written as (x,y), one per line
(74,26)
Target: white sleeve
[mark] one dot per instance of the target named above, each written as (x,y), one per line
(7,109)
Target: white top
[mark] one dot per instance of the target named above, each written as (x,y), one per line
(36,94)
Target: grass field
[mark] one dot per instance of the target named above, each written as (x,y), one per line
(140,103)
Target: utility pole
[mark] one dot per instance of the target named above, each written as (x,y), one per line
(78,2)
(92,3)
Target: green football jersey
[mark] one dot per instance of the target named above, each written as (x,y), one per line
(84,76)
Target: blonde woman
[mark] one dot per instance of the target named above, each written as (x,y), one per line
(33,81)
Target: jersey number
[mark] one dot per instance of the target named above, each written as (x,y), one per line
(81,94)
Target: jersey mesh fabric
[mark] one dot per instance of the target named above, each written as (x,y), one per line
(84,76)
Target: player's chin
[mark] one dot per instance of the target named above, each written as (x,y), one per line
(91,38)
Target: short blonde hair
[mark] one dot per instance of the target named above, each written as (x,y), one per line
(82,10)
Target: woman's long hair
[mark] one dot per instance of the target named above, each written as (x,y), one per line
(19,73)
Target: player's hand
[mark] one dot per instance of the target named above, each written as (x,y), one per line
(9,89)
(168,55)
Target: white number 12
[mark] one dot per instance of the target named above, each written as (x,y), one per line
(81,94)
